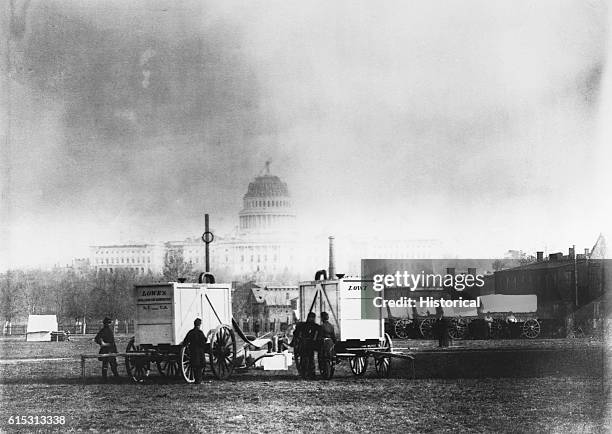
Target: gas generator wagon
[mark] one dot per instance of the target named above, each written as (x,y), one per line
(165,313)
(359,325)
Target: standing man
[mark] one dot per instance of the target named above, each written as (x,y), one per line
(327,341)
(327,329)
(512,324)
(106,339)
(489,322)
(309,335)
(196,341)
(442,331)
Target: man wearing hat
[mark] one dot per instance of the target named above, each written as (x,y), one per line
(308,336)
(326,328)
(196,341)
(106,339)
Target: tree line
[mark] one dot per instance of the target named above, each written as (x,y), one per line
(80,296)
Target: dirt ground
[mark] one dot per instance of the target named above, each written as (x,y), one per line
(258,401)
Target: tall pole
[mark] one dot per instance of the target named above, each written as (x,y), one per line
(206,251)
(575,275)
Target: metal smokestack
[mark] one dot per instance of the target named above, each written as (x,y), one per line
(331,271)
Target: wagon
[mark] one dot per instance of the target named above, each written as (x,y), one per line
(502,307)
(420,321)
(165,313)
(359,325)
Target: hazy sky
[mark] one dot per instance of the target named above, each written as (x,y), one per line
(477,123)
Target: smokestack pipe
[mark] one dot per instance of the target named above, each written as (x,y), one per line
(539,256)
(331,271)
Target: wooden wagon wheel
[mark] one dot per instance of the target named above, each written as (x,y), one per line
(383,363)
(531,328)
(185,368)
(359,364)
(137,367)
(457,329)
(401,328)
(326,368)
(169,366)
(426,328)
(222,352)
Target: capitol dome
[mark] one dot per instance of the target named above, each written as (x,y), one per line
(267,206)
(267,186)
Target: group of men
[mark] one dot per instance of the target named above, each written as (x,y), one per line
(310,336)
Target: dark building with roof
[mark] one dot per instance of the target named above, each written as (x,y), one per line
(264,307)
(564,284)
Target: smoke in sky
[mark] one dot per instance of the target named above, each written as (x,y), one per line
(472,122)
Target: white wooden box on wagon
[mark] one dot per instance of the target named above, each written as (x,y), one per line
(359,325)
(165,312)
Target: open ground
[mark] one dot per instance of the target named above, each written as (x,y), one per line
(257,401)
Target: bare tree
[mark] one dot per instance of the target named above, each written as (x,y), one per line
(11,297)
(176,267)
(498,264)
(527,260)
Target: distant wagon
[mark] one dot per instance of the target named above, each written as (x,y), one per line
(419,321)
(513,315)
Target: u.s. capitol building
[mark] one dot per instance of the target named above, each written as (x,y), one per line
(264,246)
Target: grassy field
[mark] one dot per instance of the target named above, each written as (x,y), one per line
(266,401)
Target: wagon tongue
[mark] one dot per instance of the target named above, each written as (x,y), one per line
(241,333)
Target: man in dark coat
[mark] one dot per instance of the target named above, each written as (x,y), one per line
(196,341)
(442,330)
(309,336)
(106,339)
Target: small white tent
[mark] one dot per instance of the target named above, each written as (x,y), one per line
(40,328)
